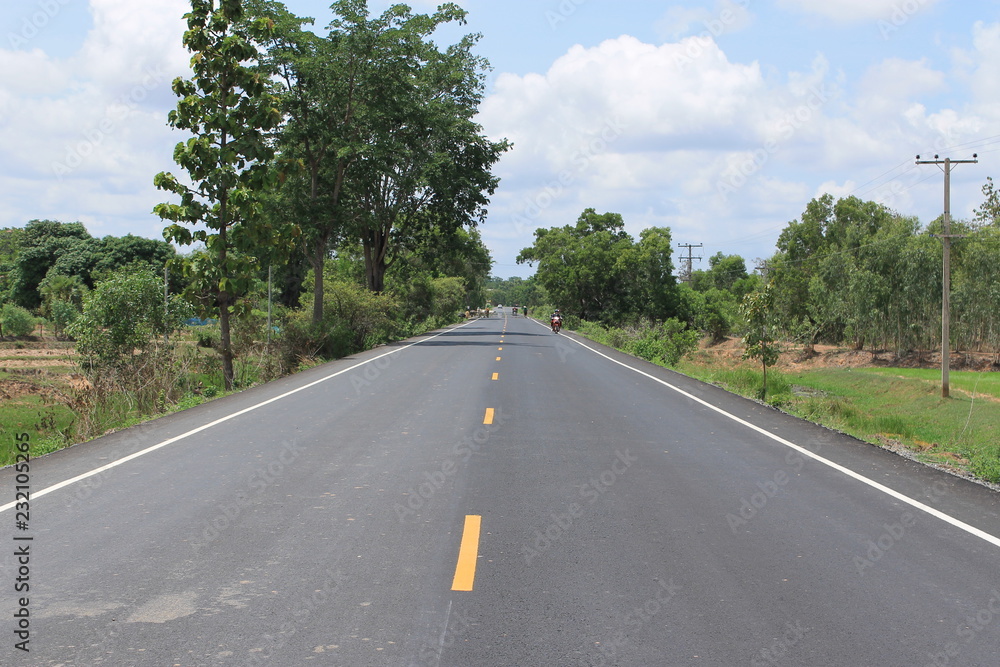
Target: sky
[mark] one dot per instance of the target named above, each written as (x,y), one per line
(720,120)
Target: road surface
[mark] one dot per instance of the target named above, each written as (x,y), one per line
(495,495)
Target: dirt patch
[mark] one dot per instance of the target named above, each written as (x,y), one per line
(14,389)
(801,357)
(34,363)
(35,352)
(41,368)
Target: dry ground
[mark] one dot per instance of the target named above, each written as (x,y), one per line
(795,357)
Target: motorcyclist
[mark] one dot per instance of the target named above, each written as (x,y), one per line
(556,319)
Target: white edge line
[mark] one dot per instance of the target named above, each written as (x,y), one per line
(992,539)
(169,441)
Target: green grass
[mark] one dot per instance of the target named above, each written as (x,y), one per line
(979,382)
(905,405)
(45,423)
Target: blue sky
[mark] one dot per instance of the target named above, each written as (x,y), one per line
(718,119)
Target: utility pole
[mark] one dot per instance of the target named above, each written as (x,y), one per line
(686,274)
(269,300)
(764,268)
(166,301)
(946,238)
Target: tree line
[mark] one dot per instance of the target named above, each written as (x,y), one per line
(846,272)
(360,143)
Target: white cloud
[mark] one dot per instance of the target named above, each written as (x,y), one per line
(896,12)
(726,17)
(985,80)
(30,73)
(678,22)
(894,80)
(84,135)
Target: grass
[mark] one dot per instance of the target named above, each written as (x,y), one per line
(40,401)
(883,405)
(980,383)
(46,422)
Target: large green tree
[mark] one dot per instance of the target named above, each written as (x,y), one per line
(648,270)
(322,87)
(426,163)
(229,110)
(42,243)
(582,265)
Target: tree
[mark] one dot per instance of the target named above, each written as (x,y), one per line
(649,273)
(58,288)
(118,251)
(580,265)
(758,341)
(988,213)
(977,291)
(42,243)
(227,107)
(717,314)
(515,291)
(426,162)
(16,321)
(808,267)
(437,253)
(321,88)
(10,246)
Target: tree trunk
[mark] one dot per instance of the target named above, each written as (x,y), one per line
(375,245)
(316,260)
(224,298)
(763,391)
(225,341)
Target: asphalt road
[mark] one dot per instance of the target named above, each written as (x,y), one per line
(495,494)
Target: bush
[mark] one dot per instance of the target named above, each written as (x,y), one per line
(16,321)
(986,464)
(64,314)
(664,343)
(354,319)
(124,314)
(206,337)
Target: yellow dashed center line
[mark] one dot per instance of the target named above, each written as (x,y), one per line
(488,419)
(496,376)
(468,553)
(498,358)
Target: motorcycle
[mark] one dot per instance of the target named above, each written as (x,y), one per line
(556,323)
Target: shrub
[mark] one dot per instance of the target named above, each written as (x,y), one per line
(64,314)
(123,314)
(16,321)
(663,343)
(206,337)
(354,319)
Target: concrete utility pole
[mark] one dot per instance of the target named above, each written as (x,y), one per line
(166,300)
(946,238)
(269,300)
(686,275)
